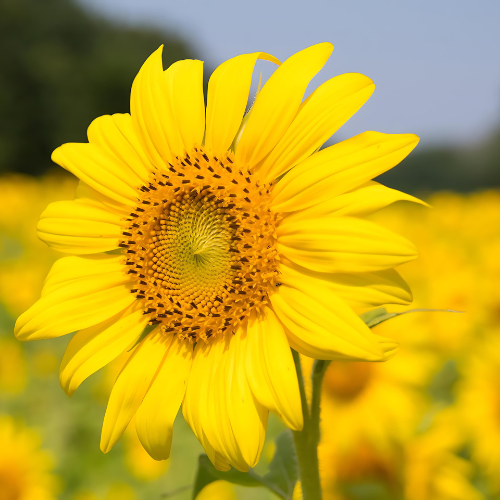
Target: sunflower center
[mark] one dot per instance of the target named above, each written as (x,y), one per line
(190,247)
(201,245)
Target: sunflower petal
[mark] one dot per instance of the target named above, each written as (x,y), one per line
(389,346)
(227,98)
(80,226)
(320,325)
(194,404)
(365,200)
(359,290)
(82,298)
(155,417)
(168,108)
(340,168)
(216,422)
(92,348)
(150,111)
(271,370)
(228,419)
(132,385)
(70,269)
(85,192)
(115,135)
(342,245)
(248,417)
(184,81)
(319,117)
(100,170)
(278,102)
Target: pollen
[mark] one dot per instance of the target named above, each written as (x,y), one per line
(201,246)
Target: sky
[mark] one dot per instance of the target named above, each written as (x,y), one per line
(435,63)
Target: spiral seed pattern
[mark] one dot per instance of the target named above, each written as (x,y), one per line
(201,245)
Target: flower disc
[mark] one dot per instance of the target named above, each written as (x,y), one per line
(201,244)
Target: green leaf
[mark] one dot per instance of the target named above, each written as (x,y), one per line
(377,316)
(284,467)
(207,474)
(281,478)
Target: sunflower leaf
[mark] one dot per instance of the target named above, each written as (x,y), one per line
(284,467)
(207,474)
(377,316)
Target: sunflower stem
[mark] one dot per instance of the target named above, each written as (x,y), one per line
(307,440)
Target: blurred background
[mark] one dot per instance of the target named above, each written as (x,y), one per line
(423,426)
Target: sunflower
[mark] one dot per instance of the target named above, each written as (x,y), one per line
(25,469)
(478,407)
(377,404)
(368,412)
(434,469)
(427,466)
(190,254)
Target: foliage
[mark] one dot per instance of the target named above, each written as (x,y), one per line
(454,167)
(61,68)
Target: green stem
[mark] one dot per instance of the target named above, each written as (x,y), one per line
(307,440)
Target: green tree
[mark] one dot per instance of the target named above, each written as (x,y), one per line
(455,168)
(61,67)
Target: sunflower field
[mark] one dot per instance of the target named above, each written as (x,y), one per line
(423,425)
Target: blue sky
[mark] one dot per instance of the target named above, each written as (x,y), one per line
(436,63)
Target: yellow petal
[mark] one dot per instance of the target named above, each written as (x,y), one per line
(247,416)
(333,244)
(360,290)
(100,170)
(271,370)
(85,192)
(319,117)
(132,385)
(82,299)
(389,346)
(115,135)
(82,226)
(150,111)
(340,168)
(92,348)
(219,405)
(227,99)
(167,108)
(278,102)
(320,325)
(359,202)
(216,420)
(195,400)
(155,417)
(71,269)
(184,80)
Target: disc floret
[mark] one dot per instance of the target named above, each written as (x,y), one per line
(201,245)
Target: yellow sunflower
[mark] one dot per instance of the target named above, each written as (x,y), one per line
(368,412)
(375,404)
(478,407)
(179,222)
(427,466)
(434,469)
(25,470)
